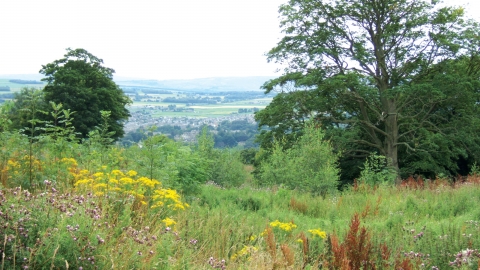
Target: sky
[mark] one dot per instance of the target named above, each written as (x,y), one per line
(150,39)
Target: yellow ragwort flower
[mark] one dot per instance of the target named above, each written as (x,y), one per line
(318,232)
(72,161)
(83,182)
(98,175)
(101,185)
(158,204)
(131,173)
(148,182)
(245,251)
(283,226)
(117,173)
(169,222)
(126,180)
(113,181)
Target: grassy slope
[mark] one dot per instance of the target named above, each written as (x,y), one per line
(229,224)
(222,220)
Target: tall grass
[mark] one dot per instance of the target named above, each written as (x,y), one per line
(92,206)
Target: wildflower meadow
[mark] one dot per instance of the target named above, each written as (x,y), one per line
(160,205)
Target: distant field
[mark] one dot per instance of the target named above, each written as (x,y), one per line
(226,106)
(14,87)
(202,110)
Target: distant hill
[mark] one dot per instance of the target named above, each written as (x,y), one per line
(28,77)
(15,82)
(215,84)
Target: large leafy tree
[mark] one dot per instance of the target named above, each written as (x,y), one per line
(82,84)
(399,77)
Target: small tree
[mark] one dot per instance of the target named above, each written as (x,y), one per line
(27,110)
(228,169)
(309,165)
(376,171)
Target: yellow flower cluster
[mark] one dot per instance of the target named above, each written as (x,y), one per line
(289,226)
(74,170)
(115,182)
(318,232)
(18,165)
(13,166)
(245,251)
(71,161)
(169,197)
(169,222)
(129,183)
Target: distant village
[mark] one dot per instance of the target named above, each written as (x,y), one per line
(144,120)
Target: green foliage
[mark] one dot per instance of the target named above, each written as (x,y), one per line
(378,82)
(205,143)
(5,121)
(193,171)
(229,134)
(248,155)
(285,116)
(61,126)
(376,171)
(154,156)
(101,133)
(228,169)
(309,165)
(52,226)
(84,86)
(475,169)
(175,165)
(28,110)
(224,166)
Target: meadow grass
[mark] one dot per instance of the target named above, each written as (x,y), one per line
(96,210)
(232,225)
(435,223)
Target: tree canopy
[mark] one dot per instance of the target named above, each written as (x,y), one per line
(396,77)
(82,84)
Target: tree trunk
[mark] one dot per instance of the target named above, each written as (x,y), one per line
(391,141)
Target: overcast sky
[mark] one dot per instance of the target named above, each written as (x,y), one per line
(154,39)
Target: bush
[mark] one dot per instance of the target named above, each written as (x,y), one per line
(228,170)
(310,165)
(376,171)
